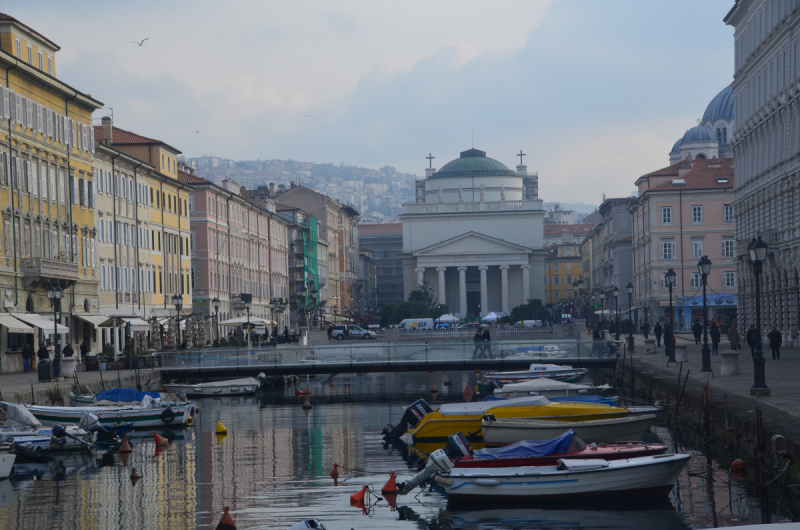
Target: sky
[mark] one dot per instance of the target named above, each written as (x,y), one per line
(594,92)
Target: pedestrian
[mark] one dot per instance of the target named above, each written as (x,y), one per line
(84,350)
(715,337)
(487,342)
(646,329)
(697,330)
(669,339)
(330,331)
(43,353)
(67,351)
(775,341)
(752,339)
(27,354)
(658,330)
(733,336)
(478,351)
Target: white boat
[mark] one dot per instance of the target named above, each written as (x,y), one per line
(549,389)
(147,415)
(504,431)
(234,387)
(7,458)
(556,372)
(645,476)
(29,438)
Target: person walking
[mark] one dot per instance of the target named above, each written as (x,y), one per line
(751,337)
(477,339)
(658,330)
(733,336)
(487,342)
(775,341)
(84,351)
(646,329)
(697,330)
(27,354)
(330,331)
(715,337)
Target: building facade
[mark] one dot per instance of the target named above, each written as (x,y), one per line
(462,235)
(766,148)
(563,267)
(566,234)
(385,241)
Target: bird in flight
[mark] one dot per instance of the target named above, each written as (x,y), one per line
(140,43)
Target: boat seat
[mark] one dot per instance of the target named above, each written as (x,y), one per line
(571,464)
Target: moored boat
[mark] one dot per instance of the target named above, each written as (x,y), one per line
(570,478)
(246,386)
(550,388)
(565,373)
(504,431)
(150,413)
(28,437)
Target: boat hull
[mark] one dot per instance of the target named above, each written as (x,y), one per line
(238,387)
(504,432)
(607,452)
(140,418)
(7,459)
(635,477)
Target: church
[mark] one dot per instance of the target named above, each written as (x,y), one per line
(475,234)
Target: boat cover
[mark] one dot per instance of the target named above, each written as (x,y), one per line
(480,408)
(527,448)
(124,395)
(541,384)
(20,417)
(596,400)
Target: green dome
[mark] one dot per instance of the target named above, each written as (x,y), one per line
(473,163)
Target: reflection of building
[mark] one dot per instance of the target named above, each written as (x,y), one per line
(475,233)
(562,267)
(385,241)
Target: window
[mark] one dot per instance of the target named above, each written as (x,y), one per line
(41,60)
(569,295)
(697,248)
(102,277)
(49,65)
(728,279)
(545,280)
(568,265)
(556,280)
(555,266)
(61,188)
(695,282)
(30,55)
(727,213)
(19,49)
(667,249)
(697,214)
(568,280)
(666,215)
(728,248)
(556,295)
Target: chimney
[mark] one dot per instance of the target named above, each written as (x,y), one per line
(108,130)
(272,190)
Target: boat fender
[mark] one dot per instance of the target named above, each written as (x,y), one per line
(489,417)
(442,481)
(486,482)
(168,416)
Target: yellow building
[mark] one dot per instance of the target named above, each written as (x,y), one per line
(562,266)
(46,186)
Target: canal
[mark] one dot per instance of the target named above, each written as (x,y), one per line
(273,470)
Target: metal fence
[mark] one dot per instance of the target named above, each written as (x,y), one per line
(402,334)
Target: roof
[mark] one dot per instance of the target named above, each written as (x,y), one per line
(552,230)
(676,148)
(9,18)
(473,163)
(700,133)
(188,178)
(721,107)
(123,137)
(377,229)
(706,174)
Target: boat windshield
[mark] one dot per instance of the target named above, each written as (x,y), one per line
(576,444)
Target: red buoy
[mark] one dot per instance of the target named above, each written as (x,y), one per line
(358,496)
(434,390)
(307,391)
(160,440)
(738,464)
(226,523)
(125,447)
(391,498)
(390,488)
(135,476)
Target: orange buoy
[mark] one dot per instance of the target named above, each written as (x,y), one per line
(125,447)
(434,390)
(391,498)
(739,474)
(298,393)
(390,488)
(226,523)
(307,391)
(738,464)
(306,405)
(335,472)
(160,440)
(135,475)
(359,496)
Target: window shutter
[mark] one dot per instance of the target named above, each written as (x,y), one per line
(31,114)
(25,175)
(3,102)
(40,119)
(90,193)
(86,138)
(44,180)
(78,128)
(52,184)
(99,179)
(102,277)
(34,178)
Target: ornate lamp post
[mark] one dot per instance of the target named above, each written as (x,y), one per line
(629,289)
(594,297)
(54,293)
(216,303)
(758,254)
(616,306)
(704,267)
(602,314)
(177,301)
(669,346)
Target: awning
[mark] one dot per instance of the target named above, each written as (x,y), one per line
(40,322)
(137,324)
(95,320)
(14,325)
(242,321)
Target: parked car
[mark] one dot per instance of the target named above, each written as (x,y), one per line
(355,332)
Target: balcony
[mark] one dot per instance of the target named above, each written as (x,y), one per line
(42,271)
(348,277)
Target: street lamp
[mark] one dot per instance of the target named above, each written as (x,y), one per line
(704,267)
(616,306)
(758,254)
(669,347)
(177,301)
(54,293)
(216,303)
(247,299)
(629,289)
(602,314)
(594,297)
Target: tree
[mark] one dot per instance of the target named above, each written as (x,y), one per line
(425,295)
(533,310)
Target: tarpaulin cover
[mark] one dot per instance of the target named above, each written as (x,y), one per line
(20,417)
(124,395)
(597,400)
(527,448)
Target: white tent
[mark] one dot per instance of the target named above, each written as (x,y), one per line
(447,318)
(605,312)
(491,317)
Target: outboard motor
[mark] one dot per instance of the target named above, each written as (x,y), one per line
(457,446)
(412,416)
(28,449)
(91,424)
(60,435)
(489,388)
(438,462)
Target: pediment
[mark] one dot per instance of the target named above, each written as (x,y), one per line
(471,243)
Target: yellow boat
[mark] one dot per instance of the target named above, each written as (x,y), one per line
(466,417)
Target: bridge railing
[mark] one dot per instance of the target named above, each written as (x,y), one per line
(454,351)
(497,333)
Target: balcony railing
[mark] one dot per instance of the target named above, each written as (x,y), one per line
(43,270)
(483,206)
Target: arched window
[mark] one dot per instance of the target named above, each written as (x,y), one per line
(701,156)
(719,135)
(724,135)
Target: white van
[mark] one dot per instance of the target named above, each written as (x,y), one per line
(416,323)
(528,324)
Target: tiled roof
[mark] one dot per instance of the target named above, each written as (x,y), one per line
(378,229)
(552,230)
(123,137)
(9,18)
(703,176)
(188,178)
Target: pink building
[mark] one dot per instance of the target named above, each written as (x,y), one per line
(683,212)
(238,246)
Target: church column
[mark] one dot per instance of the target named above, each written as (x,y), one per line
(484,290)
(462,289)
(504,287)
(442,293)
(420,276)
(526,283)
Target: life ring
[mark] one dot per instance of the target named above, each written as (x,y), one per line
(168,416)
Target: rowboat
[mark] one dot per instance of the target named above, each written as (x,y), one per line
(234,387)
(504,431)
(28,437)
(548,452)
(549,388)
(466,417)
(149,414)
(644,476)
(555,372)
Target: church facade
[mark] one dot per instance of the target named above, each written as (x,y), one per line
(475,234)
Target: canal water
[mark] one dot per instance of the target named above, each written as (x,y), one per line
(273,470)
